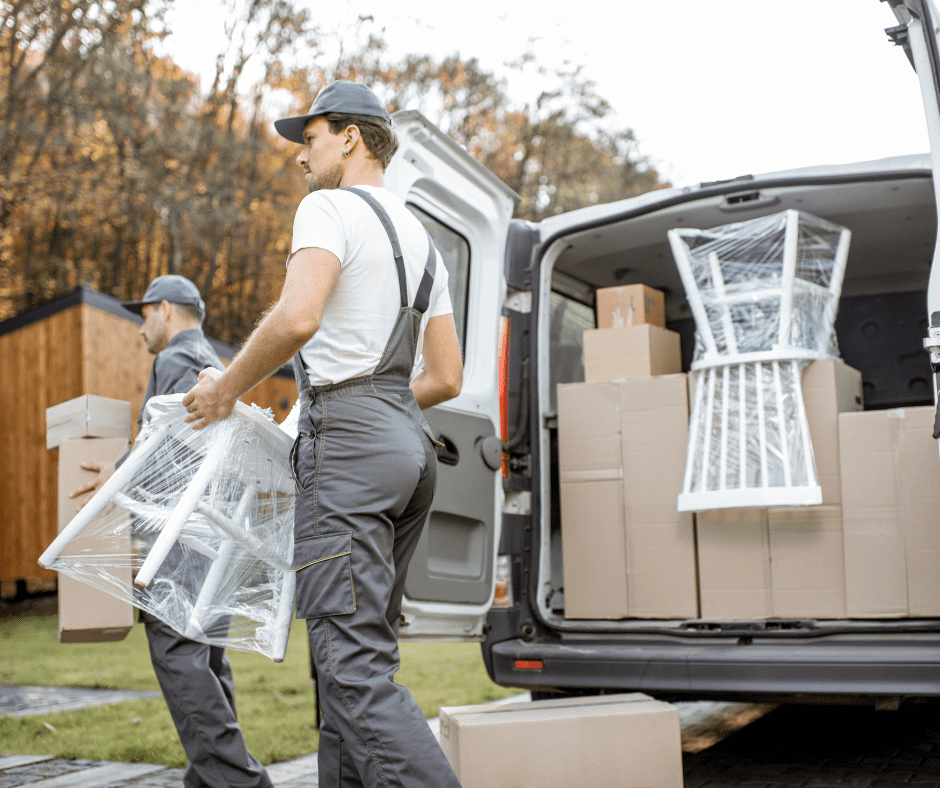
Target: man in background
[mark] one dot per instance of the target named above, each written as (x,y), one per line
(196,678)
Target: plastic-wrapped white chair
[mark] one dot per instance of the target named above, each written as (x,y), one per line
(764,294)
(209,514)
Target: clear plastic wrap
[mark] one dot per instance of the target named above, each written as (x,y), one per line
(767,286)
(764,294)
(203,520)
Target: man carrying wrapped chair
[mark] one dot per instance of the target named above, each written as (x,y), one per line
(196,678)
(364,296)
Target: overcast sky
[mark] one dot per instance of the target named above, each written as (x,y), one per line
(712,88)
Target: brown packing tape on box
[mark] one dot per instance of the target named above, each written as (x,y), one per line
(612,741)
(88,614)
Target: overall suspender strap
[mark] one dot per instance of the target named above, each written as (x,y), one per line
(392,236)
(300,374)
(423,296)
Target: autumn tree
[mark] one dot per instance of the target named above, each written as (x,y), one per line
(559,149)
(46,49)
(150,175)
(116,166)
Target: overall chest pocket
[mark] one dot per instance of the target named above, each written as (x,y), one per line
(324,576)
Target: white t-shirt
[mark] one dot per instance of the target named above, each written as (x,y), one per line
(365,302)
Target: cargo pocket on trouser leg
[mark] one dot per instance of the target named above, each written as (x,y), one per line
(324,576)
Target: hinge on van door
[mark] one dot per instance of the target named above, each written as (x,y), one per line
(900,38)
(519,300)
(932,341)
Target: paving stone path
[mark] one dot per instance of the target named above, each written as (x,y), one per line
(28,701)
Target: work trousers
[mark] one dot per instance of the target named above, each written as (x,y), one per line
(366,472)
(197,685)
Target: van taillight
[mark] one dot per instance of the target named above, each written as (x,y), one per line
(504,386)
(502,595)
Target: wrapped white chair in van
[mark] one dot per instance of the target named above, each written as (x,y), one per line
(764,294)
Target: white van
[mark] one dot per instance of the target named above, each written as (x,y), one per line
(524,294)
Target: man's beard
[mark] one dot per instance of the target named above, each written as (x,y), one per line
(330,179)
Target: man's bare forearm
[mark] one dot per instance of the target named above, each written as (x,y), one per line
(271,345)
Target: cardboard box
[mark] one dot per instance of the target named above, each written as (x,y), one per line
(593,532)
(609,741)
(630,305)
(781,562)
(88,416)
(660,540)
(806,567)
(627,552)
(830,387)
(734,564)
(631,352)
(890,505)
(87,614)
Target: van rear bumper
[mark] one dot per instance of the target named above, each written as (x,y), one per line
(838,665)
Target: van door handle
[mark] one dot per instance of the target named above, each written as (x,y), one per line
(447,454)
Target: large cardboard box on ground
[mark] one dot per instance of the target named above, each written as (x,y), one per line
(609,741)
(630,305)
(891,513)
(627,552)
(88,416)
(87,614)
(630,352)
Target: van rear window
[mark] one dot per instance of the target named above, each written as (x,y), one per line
(569,320)
(455,250)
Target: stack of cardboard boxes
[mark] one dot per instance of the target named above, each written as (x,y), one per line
(870,550)
(621,441)
(89,429)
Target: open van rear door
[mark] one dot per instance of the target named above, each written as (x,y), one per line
(918,34)
(466,210)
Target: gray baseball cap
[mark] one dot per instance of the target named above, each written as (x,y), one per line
(350,98)
(172,288)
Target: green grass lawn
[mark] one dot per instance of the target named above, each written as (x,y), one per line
(275,701)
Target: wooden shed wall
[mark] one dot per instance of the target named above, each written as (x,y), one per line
(80,350)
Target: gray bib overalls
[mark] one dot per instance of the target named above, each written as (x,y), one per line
(365,469)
